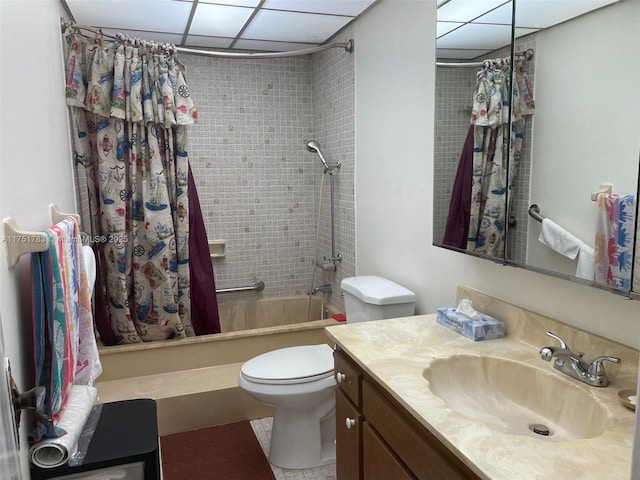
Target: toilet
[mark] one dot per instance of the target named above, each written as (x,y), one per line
(299,382)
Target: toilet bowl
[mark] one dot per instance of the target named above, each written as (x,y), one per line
(299,382)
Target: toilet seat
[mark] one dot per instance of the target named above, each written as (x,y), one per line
(291,365)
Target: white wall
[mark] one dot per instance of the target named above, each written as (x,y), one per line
(35,167)
(585,129)
(395,78)
(395,83)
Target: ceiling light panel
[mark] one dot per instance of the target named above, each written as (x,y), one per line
(159,37)
(264,46)
(233,3)
(460,54)
(219,20)
(477,36)
(466,10)
(155,15)
(334,7)
(197,41)
(545,13)
(443,28)
(503,15)
(293,27)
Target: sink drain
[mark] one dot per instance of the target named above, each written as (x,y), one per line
(540,429)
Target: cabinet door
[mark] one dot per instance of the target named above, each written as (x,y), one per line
(348,376)
(348,439)
(379,462)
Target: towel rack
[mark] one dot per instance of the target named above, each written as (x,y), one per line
(534,212)
(18,242)
(604,188)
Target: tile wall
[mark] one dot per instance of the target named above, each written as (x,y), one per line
(257,183)
(454,88)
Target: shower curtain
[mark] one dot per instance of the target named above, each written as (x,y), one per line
(130,107)
(493,173)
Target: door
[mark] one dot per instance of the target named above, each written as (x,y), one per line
(9,454)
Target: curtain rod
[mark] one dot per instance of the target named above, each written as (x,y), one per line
(348,46)
(527,55)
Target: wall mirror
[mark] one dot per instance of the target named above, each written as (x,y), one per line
(571,169)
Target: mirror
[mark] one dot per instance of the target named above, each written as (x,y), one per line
(570,146)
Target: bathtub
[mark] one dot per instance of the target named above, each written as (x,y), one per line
(194,380)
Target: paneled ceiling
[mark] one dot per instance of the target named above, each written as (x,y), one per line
(465,28)
(259,25)
(470,28)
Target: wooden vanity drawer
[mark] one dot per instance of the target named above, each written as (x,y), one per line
(422,453)
(379,462)
(348,376)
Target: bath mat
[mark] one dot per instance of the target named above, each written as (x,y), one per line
(225,452)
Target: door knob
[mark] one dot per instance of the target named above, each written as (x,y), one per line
(350,423)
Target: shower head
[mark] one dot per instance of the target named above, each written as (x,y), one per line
(314,146)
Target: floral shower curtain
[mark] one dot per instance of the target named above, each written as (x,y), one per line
(130,107)
(494,176)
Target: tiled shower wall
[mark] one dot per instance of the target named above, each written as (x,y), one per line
(257,183)
(454,96)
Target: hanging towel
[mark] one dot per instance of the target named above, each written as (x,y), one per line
(65,350)
(558,239)
(614,239)
(585,268)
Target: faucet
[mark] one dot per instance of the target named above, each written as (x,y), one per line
(571,363)
(326,288)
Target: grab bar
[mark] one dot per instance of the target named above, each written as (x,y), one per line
(534,212)
(257,287)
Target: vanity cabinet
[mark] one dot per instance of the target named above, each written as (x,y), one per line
(377,439)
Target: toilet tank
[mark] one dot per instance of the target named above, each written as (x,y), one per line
(370,297)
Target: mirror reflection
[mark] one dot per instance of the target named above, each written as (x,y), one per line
(556,191)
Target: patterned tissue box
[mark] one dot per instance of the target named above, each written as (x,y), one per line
(474,330)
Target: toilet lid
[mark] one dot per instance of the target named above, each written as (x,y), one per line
(300,364)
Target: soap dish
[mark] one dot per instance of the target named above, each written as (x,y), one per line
(628,398)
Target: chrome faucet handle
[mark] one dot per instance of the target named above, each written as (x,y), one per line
(563,345)
(597,367)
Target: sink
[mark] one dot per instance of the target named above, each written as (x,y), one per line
(517,398)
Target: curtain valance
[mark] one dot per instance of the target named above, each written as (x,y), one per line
(134,81)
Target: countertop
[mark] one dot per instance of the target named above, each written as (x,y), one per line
(395,353)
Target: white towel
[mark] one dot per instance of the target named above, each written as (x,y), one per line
(586,266)
(559,240)
(89,266)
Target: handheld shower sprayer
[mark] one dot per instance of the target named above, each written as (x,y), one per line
(314,146)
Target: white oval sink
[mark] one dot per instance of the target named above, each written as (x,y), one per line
(510,397)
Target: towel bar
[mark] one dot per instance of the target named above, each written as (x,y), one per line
(534,212)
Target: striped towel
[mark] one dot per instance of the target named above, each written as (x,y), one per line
(614,239)
(65,350)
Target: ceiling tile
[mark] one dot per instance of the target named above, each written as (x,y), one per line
(454,54)
(154,15)
(466,10)
(334,7)
(160,37)
(235,3)
(293,27)
(503,15)
(265,46)
(446,27)
(219,20)
(530,14)
(197,41)
(477,36)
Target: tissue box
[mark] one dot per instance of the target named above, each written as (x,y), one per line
(474,330)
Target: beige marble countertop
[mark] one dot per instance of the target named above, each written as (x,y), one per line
(396,352)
